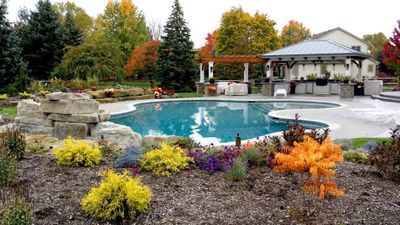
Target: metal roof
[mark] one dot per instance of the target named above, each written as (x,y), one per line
(315,48)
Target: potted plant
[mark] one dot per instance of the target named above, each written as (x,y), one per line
(211,81)
(109,92)
(346,79)
(267,80)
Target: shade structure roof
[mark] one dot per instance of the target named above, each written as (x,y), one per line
(315,49)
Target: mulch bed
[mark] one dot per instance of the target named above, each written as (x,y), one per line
(197,197)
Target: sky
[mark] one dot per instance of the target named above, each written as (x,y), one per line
(359,17)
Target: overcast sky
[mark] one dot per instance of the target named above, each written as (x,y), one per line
(203,16)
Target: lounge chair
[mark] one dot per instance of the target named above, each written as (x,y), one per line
(280,92)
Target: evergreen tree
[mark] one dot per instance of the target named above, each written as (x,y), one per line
(43,41)
(175,67)
(73,35)
(11,64)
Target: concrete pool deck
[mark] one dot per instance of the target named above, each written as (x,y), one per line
(345,121)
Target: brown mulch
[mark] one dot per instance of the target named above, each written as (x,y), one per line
(197,197)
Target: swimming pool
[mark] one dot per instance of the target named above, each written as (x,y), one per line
(212,121)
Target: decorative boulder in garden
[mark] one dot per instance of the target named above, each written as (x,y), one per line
(117,134)
(131,155)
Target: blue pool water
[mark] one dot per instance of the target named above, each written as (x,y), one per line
(212,121)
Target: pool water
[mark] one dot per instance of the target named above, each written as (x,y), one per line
(212,121)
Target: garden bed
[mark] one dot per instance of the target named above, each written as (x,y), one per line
(197,197)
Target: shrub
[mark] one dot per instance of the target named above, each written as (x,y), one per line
(57,84)
(386,157)
(7,168)
(43,92)
(13,141)
(252,155)
(18,213)
(315,159)
(118,197)
(25,95)
(238,170)
(165,161)
(92,81)
(214,159)
(36,86)
(355,157)
(3,97)
(76,83)
(186,143)
(78,153)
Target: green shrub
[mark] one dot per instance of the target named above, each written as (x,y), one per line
(186,143)
(252,155)
(118,197)
(57,84)
(7,168)
(165,161)
(78,153)
(355,157)
(13,141)
(386,157)
(36,86)
(238,170)
(92,81)
(76,83)
(18,213)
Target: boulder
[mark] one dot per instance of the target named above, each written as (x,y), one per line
(29,108)
(155,140)
(116,134)
(148,92)
(144,97)
(97,94)
(120,93)
(135,91)
(107,100)
(370,145)
(127,98)
(34,129)
(104,116)
(75,118)
(56,96)
(81,106)
(34,121)
(76,130)
(131,155)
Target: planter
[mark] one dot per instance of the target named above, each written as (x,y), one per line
(292,90)
(358,91)
(321,82)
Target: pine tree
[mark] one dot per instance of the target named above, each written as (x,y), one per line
(11,64)
(43,41)
(73,35)
(175,67)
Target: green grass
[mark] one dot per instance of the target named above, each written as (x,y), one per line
(189,95)
(358,142)
(9,111)
(136,83)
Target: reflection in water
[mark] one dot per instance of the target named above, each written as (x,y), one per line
(209,121)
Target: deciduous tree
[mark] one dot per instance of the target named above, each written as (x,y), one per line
(375,43)
(391,52)
(175,67)
(142,62)
(209,47)
(294,32)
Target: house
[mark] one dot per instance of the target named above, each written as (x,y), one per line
(349,40)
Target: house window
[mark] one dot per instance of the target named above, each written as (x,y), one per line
(324,68)
(357,48)
(370,68)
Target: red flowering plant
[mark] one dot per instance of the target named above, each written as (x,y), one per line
(136,168)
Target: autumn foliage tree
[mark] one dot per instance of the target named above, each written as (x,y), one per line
(294,32)
(142,62)
(391,52)
(209,47)
(316,160)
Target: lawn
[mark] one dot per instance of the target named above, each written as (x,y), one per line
(358,142)
(189,95)
(9,111)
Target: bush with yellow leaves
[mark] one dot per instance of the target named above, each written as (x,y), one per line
(166,160)
(118,197)
(78,153)
(316,160)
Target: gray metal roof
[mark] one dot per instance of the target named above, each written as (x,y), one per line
(315,48)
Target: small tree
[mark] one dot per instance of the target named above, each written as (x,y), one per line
(391,52)
(175,67)
(294,32)
(143,61)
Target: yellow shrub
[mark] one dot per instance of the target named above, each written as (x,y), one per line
(119,196)
(3,97)
(25,95)
(166,161)
(78,153)
(43,92)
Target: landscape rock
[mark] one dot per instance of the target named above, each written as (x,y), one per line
(34,129)
(135,91)
(75,118)
(144,97)
(34,121)
(131,155)
(97,94)
(156,140)
(76,130)
(56,96)
(81,106)
(116,134)
(104,116)
(29,108)
(148,92)
(369,146)
(120,93)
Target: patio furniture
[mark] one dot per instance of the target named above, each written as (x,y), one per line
(236,89)
(281,92)
(221,86)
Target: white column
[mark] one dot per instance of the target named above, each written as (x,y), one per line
(210,70)
(246,72)
(268,69)
(347,66)
(359,75)
(201,73)
(289,74)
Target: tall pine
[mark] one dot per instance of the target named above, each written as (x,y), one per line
(175,67)
(11,64)
(72,34)
(43,42)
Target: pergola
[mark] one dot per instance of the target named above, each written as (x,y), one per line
(306,52)
(315,52)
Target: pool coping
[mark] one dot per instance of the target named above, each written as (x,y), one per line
(275,114)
